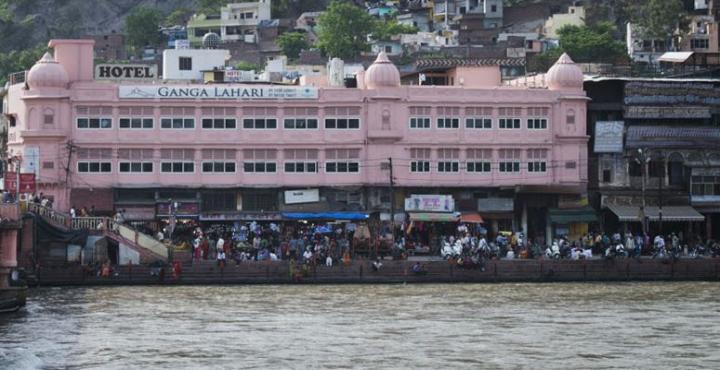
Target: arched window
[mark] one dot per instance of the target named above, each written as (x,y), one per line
(676,170)
(48,116)
(570,117)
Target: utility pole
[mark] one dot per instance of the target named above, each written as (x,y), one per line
(392,199)
(660,196)
(643,159)
(18,161)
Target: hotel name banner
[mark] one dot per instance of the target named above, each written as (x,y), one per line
(216,92)
(125,72)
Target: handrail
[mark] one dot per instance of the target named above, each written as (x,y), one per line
(101,223)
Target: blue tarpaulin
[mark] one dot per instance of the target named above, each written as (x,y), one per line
(326,216)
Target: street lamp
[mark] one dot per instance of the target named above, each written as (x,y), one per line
(643,159)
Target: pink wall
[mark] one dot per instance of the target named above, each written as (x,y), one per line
(384,132)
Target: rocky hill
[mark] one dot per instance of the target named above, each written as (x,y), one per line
(28,23)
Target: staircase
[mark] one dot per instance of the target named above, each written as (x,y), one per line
(149,248)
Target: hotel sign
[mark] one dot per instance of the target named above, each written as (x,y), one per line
(125,72)
(216,92)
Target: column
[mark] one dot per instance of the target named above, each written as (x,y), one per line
(548,229)
(524,220)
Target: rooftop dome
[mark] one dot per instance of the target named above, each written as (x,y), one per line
(382,73)
(47,73)
(564,75)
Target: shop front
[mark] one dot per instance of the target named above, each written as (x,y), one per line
(431,216)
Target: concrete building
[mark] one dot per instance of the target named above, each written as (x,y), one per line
(237,21)
(508,154)
(575,16)
(663,135)
(188,64)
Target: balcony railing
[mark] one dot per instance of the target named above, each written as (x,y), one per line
(17,77)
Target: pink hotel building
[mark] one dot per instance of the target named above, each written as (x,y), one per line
(512,154)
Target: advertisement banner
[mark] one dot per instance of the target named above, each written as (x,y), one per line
(429,203)
(302,196)
(27,182)
(609,136)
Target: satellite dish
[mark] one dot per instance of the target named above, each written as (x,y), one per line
(211,40)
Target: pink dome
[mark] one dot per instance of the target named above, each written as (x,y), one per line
(47,73)
(564,75)
(382,73)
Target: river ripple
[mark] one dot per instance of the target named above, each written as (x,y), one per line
(464,326)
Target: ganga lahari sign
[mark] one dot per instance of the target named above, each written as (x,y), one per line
(216,92)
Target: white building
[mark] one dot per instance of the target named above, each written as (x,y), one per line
(240,20)
(187,64)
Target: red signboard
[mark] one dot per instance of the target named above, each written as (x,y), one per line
(27,182)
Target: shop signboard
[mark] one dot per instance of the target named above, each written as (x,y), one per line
(609,136)
(183,209)
(429,203)
(302,196)
(241,216)
(496,204)
(27,182)
(238,92)
(666,112)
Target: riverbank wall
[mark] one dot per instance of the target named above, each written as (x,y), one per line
(360,272)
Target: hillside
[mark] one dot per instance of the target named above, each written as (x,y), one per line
(28,23)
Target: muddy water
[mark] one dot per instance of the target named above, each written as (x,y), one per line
(514,326)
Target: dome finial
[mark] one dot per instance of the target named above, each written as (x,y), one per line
(564,75)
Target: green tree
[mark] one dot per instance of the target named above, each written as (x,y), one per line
(384,30)
(658,19)
(141,27)
(179,16)
(343,30)
(584,44)
(292,43)
(247,66)
(17,61)
(291,8)
(211,6)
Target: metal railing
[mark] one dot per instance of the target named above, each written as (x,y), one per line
(17,77)
(100,223)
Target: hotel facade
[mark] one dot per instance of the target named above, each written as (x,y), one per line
(514,155)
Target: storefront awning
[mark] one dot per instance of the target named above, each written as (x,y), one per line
(325,216)
(433,217)
(675,56)
(472,218)
(572,215)
(669,213)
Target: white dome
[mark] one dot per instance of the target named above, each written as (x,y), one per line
(47,73)
(564,75)
(382,73)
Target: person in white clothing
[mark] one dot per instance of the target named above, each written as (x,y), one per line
(328,261)
(307,256)
(220,244)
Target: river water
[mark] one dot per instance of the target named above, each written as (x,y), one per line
(464,326)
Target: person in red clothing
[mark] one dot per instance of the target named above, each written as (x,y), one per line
(205,247)
(177,270)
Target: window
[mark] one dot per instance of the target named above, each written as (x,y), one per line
(301,160)
(94,167)
(445,166)
(300,167)
(478,122)
(448,160)
(537,160)
(448,122)
(536,166)
(537,123)
(509,123)
(420,166)
(135,160)
(136,122)
(48,116)
(388,49)
(218,160)
(94,160)
(177,160)
(699,43)
(705,185)
(420,160)
(177,123)
(94,123)
(342,123)
(259,160)
(342,160)
(300,123)
(606,175)
(259,123)
(420,122)
(48,165)
(218,123)
(509,160)
(185,63)
(493,8)
(478,160)
(219,201)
